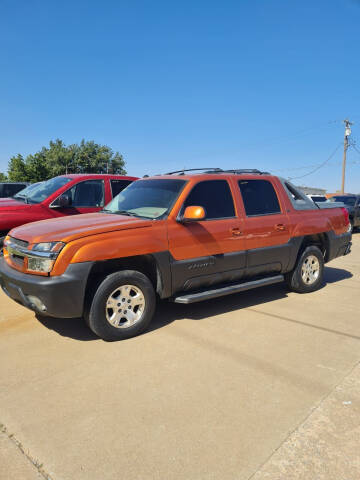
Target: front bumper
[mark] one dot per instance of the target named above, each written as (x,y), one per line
(62,296)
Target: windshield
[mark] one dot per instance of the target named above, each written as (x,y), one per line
(146,198)
(25,191)
(347,200)
(44,189)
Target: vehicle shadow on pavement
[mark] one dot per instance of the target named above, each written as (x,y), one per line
(333,275)
(168,312)
(75,328)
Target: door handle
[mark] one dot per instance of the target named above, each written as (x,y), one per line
(236,232)
(280,227)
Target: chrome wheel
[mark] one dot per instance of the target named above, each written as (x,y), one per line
(310,270)
(125,306)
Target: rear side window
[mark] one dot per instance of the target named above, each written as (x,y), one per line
(214,196)
(259,197)
(118,186)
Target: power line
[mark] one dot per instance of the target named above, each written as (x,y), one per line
(296,135)
(353,145)
(319,166)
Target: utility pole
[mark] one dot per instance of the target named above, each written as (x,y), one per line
(346,145)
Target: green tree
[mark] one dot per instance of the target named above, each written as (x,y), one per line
(17,171)
(59,159)
(3,177)
(90,157)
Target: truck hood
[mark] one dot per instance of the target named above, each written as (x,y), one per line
(10,204)
(67,229)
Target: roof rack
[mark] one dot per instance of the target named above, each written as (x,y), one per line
(252,171)
(182,172)
(246,170)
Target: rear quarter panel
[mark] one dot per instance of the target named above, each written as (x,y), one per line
(310,222)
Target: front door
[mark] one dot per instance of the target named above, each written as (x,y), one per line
(210,251)
(84,197)
(266,228)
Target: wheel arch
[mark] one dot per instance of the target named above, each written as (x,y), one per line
(155,266)
(320,240)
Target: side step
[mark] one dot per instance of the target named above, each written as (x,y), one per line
(219,292)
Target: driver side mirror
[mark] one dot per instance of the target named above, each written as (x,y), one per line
(62,202)
(194,214)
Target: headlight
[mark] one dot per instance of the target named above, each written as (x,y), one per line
(44,256)
(34,258)
(37,264)
(48,247)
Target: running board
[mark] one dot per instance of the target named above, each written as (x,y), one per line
(219,292)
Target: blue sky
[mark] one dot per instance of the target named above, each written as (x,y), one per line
(248,83)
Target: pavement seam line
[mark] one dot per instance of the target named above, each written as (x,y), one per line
(12,438)
(313,410)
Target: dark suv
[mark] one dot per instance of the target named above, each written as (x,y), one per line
(9,189)
(352,205)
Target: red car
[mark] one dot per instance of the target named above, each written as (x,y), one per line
(60,196)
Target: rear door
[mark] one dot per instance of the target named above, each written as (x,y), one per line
(210,251)
(266,227)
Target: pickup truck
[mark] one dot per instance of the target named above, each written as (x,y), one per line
(60,196)
(182,236)
(352,205)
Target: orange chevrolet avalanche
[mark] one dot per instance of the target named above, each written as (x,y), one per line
(182,236)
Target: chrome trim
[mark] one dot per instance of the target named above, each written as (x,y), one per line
(16,250)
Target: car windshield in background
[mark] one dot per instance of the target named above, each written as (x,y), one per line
(26,191)
(146,198)
(44,189)
(350,201)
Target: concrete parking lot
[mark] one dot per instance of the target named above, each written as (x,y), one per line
(261,385)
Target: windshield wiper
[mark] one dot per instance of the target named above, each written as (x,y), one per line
(130,214)
(125,212)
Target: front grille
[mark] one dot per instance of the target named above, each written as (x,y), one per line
(17,258)
(18,242)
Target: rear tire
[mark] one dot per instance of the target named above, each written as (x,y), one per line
(308,273)
(122,307)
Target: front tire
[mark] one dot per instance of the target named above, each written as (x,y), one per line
(122,307)
(308,273)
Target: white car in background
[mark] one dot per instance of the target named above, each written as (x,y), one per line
(317,198)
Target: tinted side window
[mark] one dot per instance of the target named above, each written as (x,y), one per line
(11,189)
(118,185)
(87,194)
(215,196)
(259,197)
